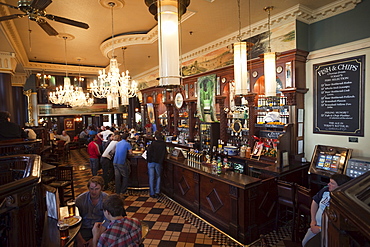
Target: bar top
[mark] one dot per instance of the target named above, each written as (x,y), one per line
(236,179)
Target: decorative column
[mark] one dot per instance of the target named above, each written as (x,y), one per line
(251,97)
(170,120)
(220,100)
(192,109)
(29,108)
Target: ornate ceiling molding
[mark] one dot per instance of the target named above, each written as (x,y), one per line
(13,37)
(125,40)
(129,39)
(61,68)
(7,62)
(298,12)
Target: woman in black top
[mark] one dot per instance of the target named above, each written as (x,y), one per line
(156,154)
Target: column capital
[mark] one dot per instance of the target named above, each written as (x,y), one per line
(7,62)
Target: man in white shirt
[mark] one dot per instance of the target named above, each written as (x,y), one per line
(104,135)
(64,137)
(106,161)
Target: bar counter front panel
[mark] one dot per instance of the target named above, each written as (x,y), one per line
(240,205)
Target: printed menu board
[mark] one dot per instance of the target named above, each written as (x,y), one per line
(339,97)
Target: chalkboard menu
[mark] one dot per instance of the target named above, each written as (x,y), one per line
(339,97)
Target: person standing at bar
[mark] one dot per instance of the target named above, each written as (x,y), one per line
(106,161)
(121,166)
(156,154)
(94,152)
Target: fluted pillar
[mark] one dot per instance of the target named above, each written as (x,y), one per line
(223,119)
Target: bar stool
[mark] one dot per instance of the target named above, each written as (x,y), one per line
(286,198)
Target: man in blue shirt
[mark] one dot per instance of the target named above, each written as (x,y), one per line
(90,207)
(121,166)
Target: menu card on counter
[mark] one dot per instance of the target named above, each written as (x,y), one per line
(339,97)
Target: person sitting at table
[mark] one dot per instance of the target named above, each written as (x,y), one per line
(122,231)
(64,137)
(83,136)
(31,134)
(319,202)
(9,130)
(90,207)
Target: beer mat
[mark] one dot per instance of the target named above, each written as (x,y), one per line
(71,221)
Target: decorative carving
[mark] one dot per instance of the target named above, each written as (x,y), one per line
(233,191)
(26,197)
(183,185)
(214,201)
(332,215)
(291,94)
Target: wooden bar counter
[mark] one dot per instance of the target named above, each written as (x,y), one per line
(242,206)
(139,171)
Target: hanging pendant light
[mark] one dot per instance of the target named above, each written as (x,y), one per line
(79,97)
(240,62)
(62,95)
(269,62)
(113,85)
(168,13)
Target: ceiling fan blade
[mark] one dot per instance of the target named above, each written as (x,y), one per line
(40,4)
(67,21)
(9,17)
(47,28)
(10,6)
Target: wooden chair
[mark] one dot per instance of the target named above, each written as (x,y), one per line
(60,150)
(64,184)
(303,202)
(286,198)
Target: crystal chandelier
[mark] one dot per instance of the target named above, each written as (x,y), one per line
(62,95)
(79,98)
(113,85)
(74,97)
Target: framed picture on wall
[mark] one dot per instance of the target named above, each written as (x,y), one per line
(151,115)
(69,124)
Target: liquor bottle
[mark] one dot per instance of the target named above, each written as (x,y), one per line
(219,167)
(214,166)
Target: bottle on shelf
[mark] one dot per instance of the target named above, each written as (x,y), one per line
(219,165)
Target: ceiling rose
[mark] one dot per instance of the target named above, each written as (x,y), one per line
(66,36)
(118,4)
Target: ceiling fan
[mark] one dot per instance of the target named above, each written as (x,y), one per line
(35,10)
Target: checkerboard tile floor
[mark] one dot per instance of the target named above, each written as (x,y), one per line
(170,225)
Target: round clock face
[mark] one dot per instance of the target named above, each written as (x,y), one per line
(179,100)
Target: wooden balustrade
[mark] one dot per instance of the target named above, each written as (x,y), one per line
(20,195)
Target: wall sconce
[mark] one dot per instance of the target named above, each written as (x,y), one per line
(168,13)
(270,62)
(240,63)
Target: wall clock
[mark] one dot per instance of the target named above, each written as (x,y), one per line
(179,100)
